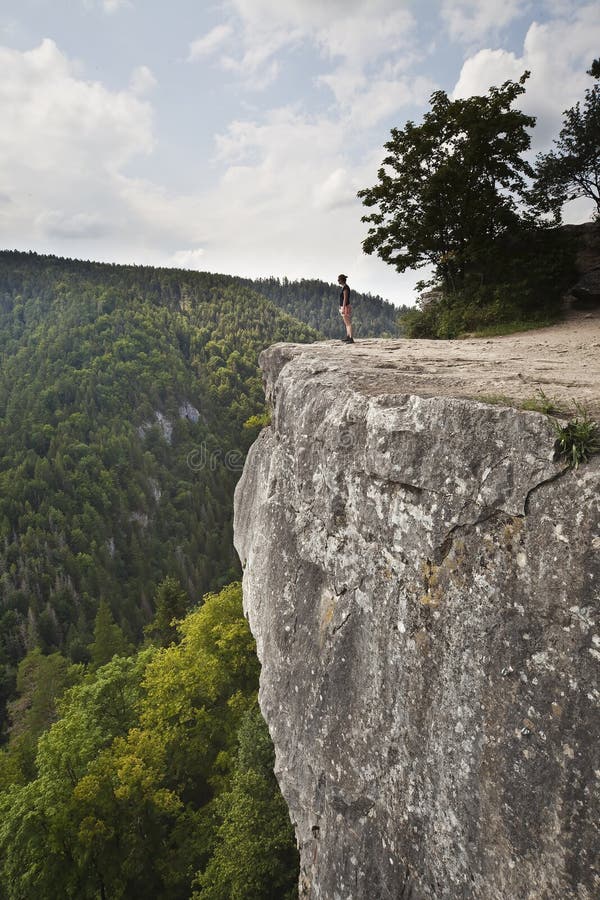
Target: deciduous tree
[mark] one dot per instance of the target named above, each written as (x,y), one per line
(452,185)
(572,170)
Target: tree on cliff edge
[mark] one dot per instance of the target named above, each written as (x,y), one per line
(450,187)
(573,169)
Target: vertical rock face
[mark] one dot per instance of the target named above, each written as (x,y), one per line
(423,581)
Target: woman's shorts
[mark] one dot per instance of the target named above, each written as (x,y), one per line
(346,312)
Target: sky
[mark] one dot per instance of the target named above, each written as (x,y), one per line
(232,136)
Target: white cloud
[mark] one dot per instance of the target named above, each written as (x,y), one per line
(287,203)
(159,217)
(108,6)
(52,119)
(471,20)
(558,78)
(286,141)
(366,101)
(58,223)
(285,199)
(111,6)
(485,68)
(248,43)
(256,65)
(368,48)
(350,31)
(63,144)
(9,29)
(336,191)
(142,80)
(187,259)
(306,16)
(209,42)
(272,170)
(364,36)
(557,7)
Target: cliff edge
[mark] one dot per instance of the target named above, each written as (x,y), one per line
(422,577)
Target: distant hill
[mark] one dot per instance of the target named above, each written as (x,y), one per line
(317,303)
(123,396)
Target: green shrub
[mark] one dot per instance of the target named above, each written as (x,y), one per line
(519,281)
(578,439)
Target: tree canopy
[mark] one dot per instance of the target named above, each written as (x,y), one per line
(154,777)
(451,185)
(572,170)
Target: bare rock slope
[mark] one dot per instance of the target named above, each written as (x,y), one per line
(423,581)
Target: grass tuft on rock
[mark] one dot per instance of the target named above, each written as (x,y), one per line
(578,439)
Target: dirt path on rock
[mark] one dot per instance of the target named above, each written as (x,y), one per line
(563,361)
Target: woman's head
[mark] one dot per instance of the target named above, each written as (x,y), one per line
(342,279)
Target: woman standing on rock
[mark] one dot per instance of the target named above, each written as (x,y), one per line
(346,309)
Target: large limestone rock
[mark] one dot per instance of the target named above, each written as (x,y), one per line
(423,581)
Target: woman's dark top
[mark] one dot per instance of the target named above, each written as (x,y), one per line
(345,288)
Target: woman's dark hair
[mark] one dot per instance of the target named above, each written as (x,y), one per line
(343,277)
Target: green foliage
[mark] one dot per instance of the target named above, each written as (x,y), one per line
(578,439)
(128,398)
(524,277)
(49,844)
(259,421)
(452,185)
(41,681)
(170,603)
(123,395)
(156,761)
(471,312)
(573,169)
(255,857)
(542,403)
(109,639)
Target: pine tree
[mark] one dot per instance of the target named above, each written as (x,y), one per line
(109,639)
(171,603)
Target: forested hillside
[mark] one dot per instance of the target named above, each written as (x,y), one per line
(315,302)
(123,397)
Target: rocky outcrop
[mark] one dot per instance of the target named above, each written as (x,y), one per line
(423,581)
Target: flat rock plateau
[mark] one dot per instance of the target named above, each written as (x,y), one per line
(563,361)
